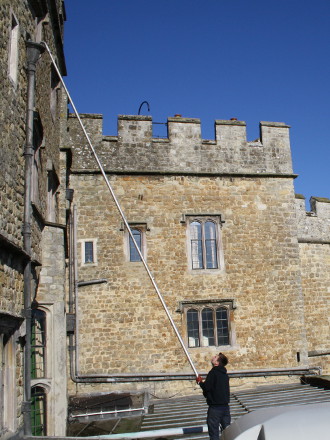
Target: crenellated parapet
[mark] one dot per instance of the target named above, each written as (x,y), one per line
(135,149)
(313,225)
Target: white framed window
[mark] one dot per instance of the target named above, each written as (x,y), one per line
(89,252)
(208,323)
(13,49)
(204,241)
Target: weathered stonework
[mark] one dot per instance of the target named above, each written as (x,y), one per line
(33,21)
(158,182)
(314,247)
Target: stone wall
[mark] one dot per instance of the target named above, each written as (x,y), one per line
(314,245)
(160,184)
(134,149)
(34,21)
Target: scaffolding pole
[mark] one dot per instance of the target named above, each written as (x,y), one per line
(122,214)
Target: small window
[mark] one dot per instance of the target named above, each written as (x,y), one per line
(38,411)
(139,233)
(13,50)
(38,344)
(133,253)
(88,251)
(207,325)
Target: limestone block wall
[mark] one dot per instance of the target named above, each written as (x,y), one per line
(135,150)
(314,245)
(261,270)
(159,188)
(51,299)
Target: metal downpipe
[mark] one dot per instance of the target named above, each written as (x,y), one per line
(33,52)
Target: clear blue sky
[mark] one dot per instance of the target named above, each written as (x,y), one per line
(256,60)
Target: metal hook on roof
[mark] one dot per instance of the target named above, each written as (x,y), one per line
(144,102)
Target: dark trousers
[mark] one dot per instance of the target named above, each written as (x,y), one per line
(217,415)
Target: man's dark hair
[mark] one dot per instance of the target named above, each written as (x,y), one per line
(223,360)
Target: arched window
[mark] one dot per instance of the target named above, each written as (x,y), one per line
(38,411)
(204,244)
(133,253)
(38,344)
(207,325)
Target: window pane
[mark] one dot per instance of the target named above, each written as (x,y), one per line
(192,327)
(196,245)
(133,253)
(211,246)
(89,254)
(38,344)
(207,327)
(38,411)
(222,326)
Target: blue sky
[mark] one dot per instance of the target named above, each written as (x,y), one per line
(256,60)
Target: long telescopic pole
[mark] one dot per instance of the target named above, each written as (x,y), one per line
(122,214)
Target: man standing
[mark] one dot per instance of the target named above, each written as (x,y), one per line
(216,390)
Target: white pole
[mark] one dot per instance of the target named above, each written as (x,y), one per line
(122,214)
(155,433)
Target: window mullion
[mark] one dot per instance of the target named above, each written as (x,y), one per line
(203,246)
(215,328)
(200,328)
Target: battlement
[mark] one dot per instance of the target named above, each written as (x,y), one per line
(135,149)
(313,225)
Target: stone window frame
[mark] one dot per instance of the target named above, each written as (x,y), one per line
(143,228)
(8,419)
(36,334)
(14,30)
(199,305)
(217,219)
(52,194)
(37,168)
(83,252)
(54,87)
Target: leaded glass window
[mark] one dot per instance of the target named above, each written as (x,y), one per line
(193,328)
(203,244)
(38,411)
(222,325)
(207,326)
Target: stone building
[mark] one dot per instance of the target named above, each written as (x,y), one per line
(242,267)
(240,264)
(32,220)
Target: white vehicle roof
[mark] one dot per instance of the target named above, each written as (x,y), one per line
(282,423)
